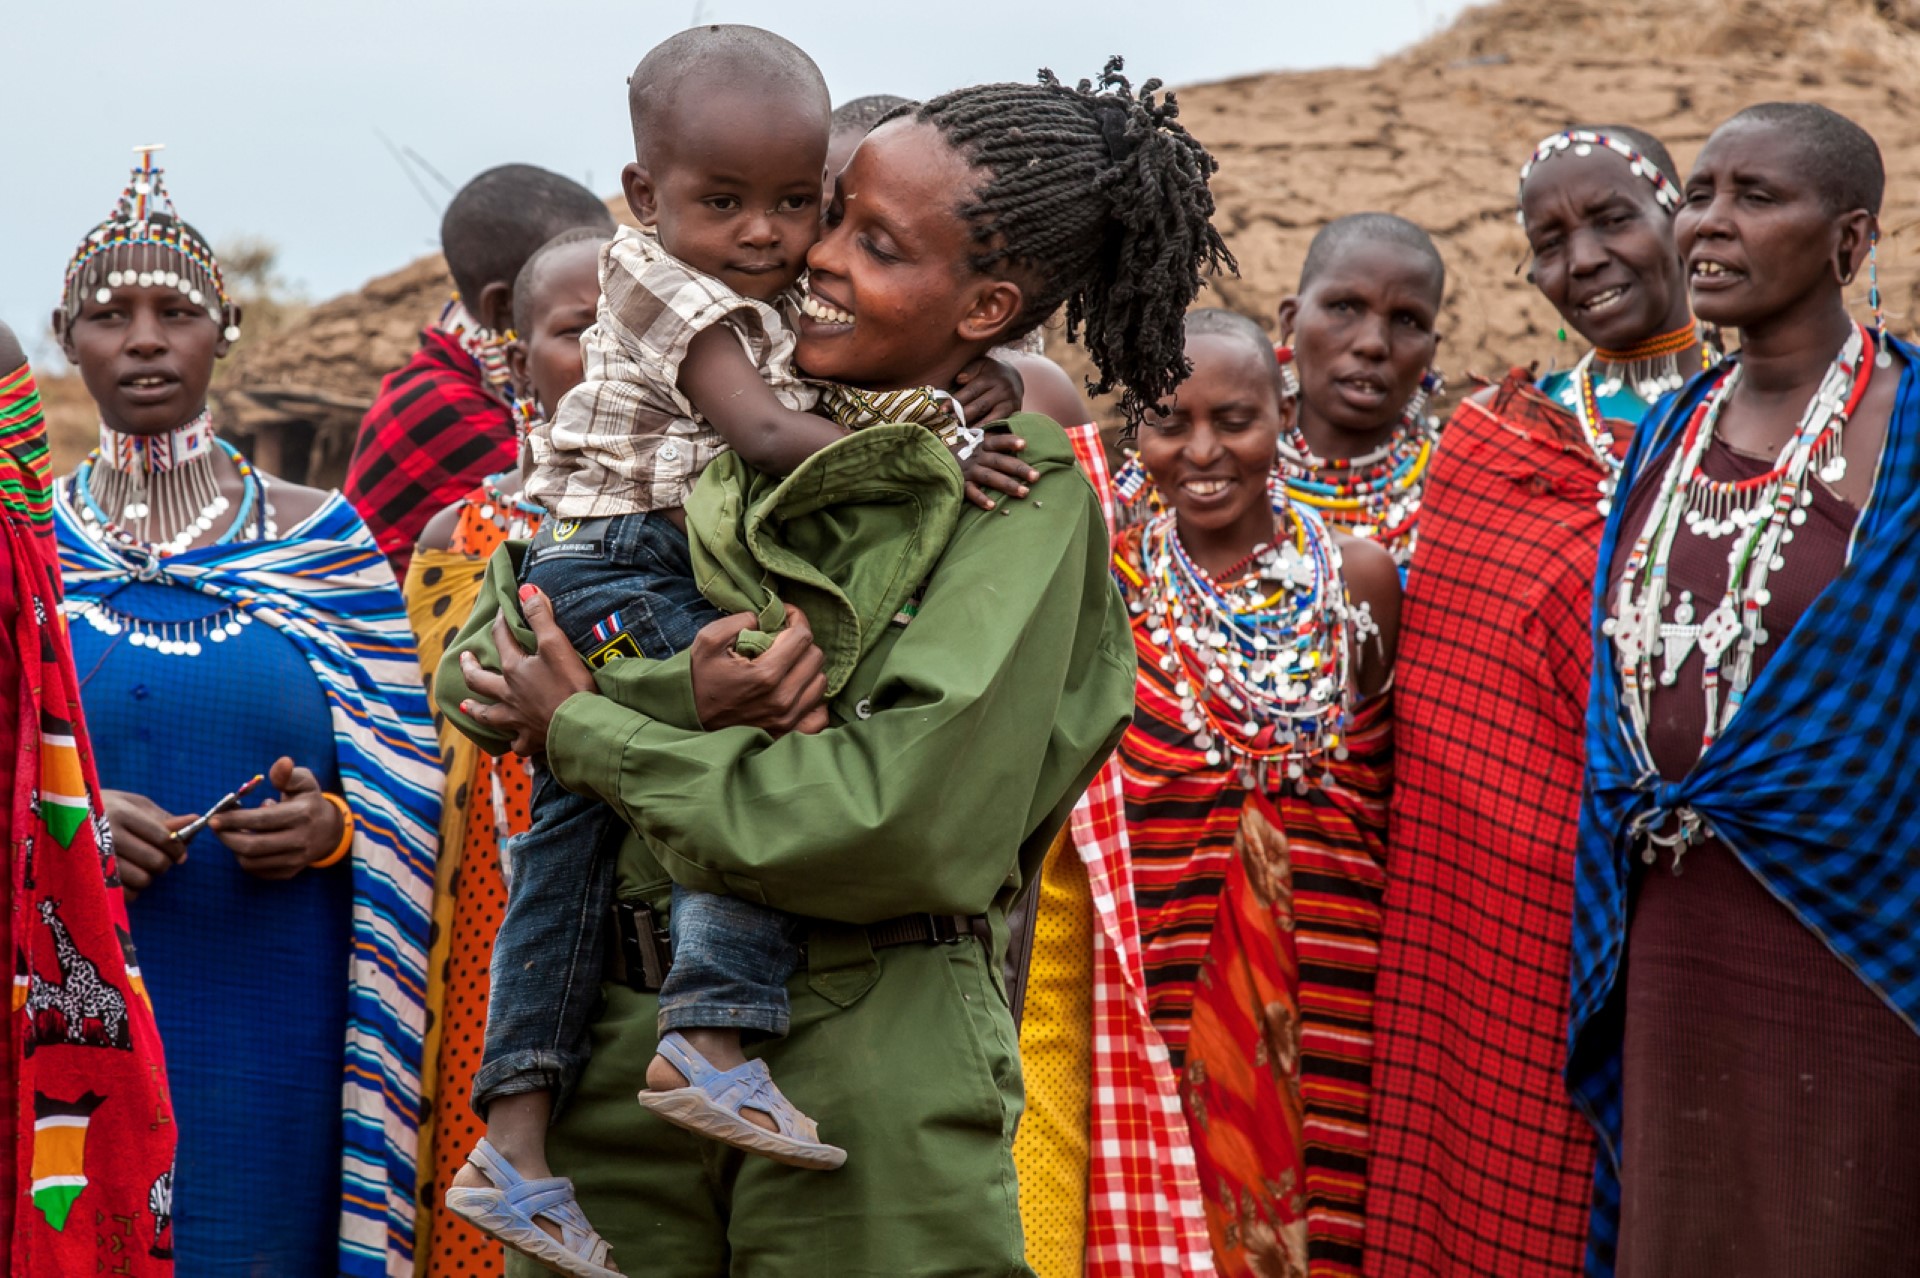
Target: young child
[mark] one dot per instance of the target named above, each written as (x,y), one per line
(690,355)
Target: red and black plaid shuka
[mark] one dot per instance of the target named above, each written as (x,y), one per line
(433,434)
(1481,1165)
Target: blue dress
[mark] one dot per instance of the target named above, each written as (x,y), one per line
(248,977)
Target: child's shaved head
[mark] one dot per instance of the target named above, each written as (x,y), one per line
(730,128)
(734,59)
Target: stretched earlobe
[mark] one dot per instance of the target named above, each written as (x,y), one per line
(1289,313)
(494,307)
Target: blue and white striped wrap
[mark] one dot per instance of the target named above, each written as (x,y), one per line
(330,591)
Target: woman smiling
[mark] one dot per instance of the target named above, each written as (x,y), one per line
(964,717)
(1255,776)
(1477,1147)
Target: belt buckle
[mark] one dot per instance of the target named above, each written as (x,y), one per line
(942,930)
(639,944)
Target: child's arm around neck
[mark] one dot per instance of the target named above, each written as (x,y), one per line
(725,388)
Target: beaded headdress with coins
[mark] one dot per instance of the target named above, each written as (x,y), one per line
(145,242)
(1581,142)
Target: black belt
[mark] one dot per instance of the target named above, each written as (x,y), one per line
(641,950)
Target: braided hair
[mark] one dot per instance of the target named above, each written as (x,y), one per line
(1099,199)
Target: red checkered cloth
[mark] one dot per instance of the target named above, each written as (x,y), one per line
(1480,1164)
(433,434)
(1144,1215)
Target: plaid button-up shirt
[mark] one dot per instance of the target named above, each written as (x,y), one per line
(626,440)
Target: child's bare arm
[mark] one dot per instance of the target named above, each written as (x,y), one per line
(728,391)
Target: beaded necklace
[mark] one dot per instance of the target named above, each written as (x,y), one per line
(150,498)
(1376,495)
(1651,368)
(487,349)
(1759,514)
(511,513)
(1262,664)
(101,485)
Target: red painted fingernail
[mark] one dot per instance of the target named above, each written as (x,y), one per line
(466,707)
(528,592)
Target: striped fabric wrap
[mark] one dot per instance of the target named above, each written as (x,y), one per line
(26,489)
(327,589)
(1260,919)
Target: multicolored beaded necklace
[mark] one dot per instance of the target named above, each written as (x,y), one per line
(1376,495)
(1652,369)
(137,496)
(1759,514)
(1263,662)
(150,498)
(487,349)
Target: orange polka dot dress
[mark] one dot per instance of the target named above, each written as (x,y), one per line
(493,798)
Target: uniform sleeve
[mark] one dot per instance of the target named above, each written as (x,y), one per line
(988,714)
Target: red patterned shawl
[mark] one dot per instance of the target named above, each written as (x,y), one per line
(1260,919)
(88,1164)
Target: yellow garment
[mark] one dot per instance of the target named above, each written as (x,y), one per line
(1056,1032)
(440,589)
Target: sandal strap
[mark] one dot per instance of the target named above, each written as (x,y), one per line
(693,1067)
(748,1086)
(495,1167)
(549,1196)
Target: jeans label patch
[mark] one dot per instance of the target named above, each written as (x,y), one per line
(621,645)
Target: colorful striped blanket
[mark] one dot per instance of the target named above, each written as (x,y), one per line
(327,589)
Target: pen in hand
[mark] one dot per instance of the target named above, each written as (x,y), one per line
(232,800)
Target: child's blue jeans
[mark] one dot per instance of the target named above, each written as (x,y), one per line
(621,586)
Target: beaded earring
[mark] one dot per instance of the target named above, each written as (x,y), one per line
(1885,358)
(1289,375)
(1131,479)
(1431,384)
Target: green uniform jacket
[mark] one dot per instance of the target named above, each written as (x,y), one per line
(981,669)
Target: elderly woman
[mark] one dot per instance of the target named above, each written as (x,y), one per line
(1477,1149)
(229,625)
(1745,978)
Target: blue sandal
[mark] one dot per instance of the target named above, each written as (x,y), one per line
(507,1210)
(711,1102)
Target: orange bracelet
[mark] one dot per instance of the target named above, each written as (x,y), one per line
(346,834)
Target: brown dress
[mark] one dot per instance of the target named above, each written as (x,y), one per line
(1772,1100)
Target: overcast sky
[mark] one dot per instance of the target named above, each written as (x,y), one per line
(283,120)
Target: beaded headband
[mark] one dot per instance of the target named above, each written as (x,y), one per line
(144,242)
(1582,142)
